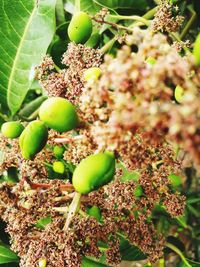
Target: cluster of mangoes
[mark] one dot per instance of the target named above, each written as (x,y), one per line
(55,113)
(59,114)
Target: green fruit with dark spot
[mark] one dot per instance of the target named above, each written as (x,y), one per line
(80,28)
(12,129)
(196,50)
(95,212)
(138,192)
(93,172)
(59,114)
(33,139)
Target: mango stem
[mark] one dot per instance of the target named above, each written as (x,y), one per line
(73,209)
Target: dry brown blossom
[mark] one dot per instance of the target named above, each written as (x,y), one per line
(166,18)
(22,206)
(129,110)
(68,82)
(132,95)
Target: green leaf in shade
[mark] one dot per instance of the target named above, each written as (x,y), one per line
(41,223)
(90,263)
(90,6)
(7,255)
(32,106)
(130,252)
(124,4)
(27,31)
(175,180)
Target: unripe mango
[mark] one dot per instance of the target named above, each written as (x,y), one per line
(80,28)
(178,93)
(12,129)
(58,151)
(92,74)
(33,139)
(138,192)
(196,50)
(95,212)
(59,114)
(59,167)
(93,172)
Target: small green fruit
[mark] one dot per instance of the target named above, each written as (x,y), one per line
(58,114)
(175,180)
(151,61)
(80,28)
(93,172)
(196,50)
(178,93)
(42,263)
(95,212)
(59,167)
(92,74)
(33,139)
(138,191)
(12,129)
(58,151)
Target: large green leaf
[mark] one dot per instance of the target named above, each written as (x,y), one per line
(26,31)
(7,255)
(90,6)
(124,4)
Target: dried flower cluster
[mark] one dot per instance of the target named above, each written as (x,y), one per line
(68,82)
(167,18)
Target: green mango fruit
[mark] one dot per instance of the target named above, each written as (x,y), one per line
(33,139)
(196,50)
(175,180)
(58,151)
(42,263)
(59,114)
(80,28)
(92,74)
(95,212)
(178,93)
(93,172)
(138,192)
(59,167)
(12,129)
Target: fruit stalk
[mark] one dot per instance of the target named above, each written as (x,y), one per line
(73,209)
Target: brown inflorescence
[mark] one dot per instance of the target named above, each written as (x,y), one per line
(130,110)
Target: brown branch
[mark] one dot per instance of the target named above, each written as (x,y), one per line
(114,25)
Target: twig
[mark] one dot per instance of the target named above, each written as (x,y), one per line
(66,140)
(114,25)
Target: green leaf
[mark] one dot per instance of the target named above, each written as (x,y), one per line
(32,106)
(41,223)
(124,4)
(130,252)
(89,6)
(7,255)
(90,263)
(27,31)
